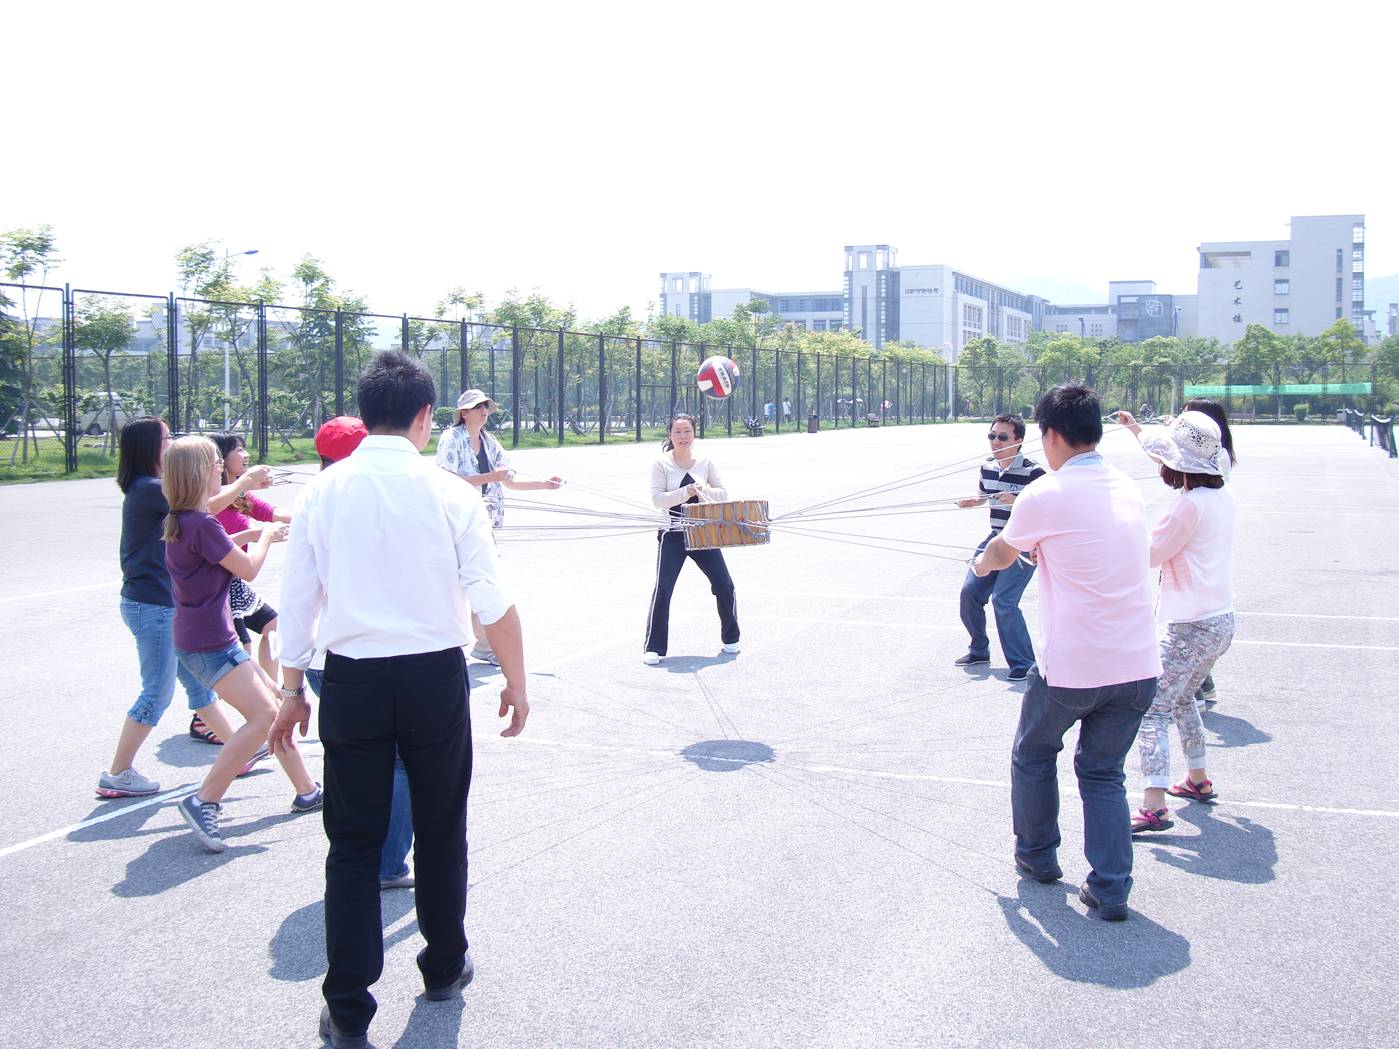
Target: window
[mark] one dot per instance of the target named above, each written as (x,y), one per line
(1282,287)
(1357,258)
(1095,330)
(969,336)
(1340,260)
(1282,258)
(1280,316)
(1065,327)
(1339,283)
(864,260)
(678,284)
(818,325)
(1357,284)
(1357,234)
(1225,260)
(1338,313)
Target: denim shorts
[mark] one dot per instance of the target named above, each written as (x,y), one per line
(209,667)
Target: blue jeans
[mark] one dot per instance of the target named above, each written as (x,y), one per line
(1110,716)
(152,626)
(1003,589)
(393,860)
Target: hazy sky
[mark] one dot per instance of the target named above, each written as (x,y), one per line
(583,148)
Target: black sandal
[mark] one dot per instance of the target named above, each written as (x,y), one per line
(202,732)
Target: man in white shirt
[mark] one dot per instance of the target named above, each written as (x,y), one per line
(385,553)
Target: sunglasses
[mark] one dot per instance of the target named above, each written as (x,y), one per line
(993,436)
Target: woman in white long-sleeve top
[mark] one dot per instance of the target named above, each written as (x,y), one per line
(679,477)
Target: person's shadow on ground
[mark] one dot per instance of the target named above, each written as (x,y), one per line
(690,664)
(297,947)
(1233,732)
(173,860)
(1230,848)
(433,1023)
(1086,949)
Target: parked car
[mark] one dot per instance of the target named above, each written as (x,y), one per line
(108,417)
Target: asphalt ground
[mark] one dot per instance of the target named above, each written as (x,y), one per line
(808,844)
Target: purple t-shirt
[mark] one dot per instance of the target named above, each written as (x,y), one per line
(199,584)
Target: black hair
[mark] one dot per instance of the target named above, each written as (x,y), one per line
(393,390)
(1016,423)
(677,417)
(227,443)
(1073,412)
(1215,411)
(1182,479)
(138,450)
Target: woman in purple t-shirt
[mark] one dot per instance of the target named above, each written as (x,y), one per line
(203,560)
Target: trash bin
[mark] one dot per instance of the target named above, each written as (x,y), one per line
(813,424)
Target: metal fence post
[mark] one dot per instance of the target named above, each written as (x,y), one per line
(637,404)
(777,390)
(70,384)
(339,362)
(464,338)
(602,389)
(818,392)
(404,338)
(701,405)
(799,414)
(172,360)
(515,385)
(264,424)
(754,396)
(561,391)
(674,363)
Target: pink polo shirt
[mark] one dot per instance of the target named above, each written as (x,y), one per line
(1086,521)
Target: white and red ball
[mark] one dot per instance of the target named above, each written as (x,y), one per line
(717,377)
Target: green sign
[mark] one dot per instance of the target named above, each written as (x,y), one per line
(1294,390)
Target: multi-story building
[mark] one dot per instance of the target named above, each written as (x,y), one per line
(1301,285)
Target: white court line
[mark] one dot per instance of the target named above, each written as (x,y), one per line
(65,590)
(63,832)
(842,770)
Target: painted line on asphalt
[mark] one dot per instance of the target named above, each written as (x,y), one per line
(65,590)
(63,832)
(921,777)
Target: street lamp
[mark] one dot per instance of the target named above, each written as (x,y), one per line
(227,255)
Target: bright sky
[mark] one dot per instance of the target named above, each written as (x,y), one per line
(583,148)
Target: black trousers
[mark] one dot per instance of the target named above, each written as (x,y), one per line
(417,704)
(670,558)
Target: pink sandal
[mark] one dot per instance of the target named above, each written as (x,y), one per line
(1203,791)
(1147,819)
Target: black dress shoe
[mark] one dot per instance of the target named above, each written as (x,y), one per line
(970,660)
(441,994)
(338,1038)
(1046,875)
(1109,912)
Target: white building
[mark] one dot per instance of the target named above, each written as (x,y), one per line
(1301,285)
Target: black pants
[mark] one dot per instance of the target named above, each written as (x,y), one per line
(417,704)
(670,558)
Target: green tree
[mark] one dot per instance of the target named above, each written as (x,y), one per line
(28,255)
(104,327)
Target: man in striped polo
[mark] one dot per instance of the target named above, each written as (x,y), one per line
(1004,473)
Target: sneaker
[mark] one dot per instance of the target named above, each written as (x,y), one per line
(1109,912)
(441,994)
(203,819)
(970,660)
(1206,692)
(128,784)
(1018,674)
(731,650)
(261,755)
(1199,706)
(398,881)
(309,802)
(650,659)
(336,1037)
(485,654)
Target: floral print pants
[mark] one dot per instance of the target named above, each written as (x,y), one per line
(1187,653)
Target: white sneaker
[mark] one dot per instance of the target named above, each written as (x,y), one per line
(128,784)
(485,654)
(731,650)
(650,659)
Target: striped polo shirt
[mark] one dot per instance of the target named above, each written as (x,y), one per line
(1014,477)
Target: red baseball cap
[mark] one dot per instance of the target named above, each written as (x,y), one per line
(338,437)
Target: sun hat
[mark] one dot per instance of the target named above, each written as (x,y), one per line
(340,436)
(1191,445)
(470,399)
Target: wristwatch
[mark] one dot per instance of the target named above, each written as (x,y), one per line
(292,693)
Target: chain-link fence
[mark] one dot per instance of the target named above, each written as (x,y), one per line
(77,364)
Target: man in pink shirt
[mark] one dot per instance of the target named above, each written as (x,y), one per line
(1098,653)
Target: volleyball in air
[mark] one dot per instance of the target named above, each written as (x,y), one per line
(717,377)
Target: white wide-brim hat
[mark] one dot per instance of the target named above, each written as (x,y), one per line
(1192,445)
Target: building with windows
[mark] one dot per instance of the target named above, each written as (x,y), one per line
(1301,285)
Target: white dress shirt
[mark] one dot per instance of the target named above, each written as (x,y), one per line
(385,551)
